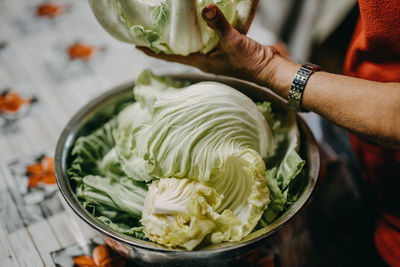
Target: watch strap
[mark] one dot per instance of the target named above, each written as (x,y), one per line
(298,84)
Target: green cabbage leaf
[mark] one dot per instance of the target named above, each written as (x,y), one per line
(285,168)
(102,186)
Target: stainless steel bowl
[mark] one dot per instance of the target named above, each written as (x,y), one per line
(263,243)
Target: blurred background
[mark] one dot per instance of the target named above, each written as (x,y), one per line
(55,58)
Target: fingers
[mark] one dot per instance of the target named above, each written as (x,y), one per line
(191,59)
(216,20)
(281,49)
(149,52)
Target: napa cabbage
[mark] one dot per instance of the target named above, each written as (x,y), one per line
(170,26)
(189,163)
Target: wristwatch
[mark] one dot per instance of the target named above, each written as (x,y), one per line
(298,85)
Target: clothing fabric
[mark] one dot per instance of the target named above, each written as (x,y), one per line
(374,54)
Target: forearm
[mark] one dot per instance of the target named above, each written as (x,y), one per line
(367,108)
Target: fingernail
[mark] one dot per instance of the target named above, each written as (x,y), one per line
(210,13)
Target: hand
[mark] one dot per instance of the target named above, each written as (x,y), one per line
(236,55)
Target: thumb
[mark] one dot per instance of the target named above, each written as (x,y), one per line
(216,20)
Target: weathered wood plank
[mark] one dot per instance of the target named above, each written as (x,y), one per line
(44,239)
(24,248)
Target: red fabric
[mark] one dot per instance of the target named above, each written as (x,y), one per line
(374,54)
(387,238)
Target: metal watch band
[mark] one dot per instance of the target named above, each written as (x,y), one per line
(298,85)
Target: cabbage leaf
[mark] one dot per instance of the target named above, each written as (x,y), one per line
(102,186)
(211,134)
(285,168)
(169,26)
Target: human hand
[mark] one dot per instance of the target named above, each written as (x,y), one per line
(236,55)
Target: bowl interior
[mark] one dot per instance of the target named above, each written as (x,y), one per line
(105,106)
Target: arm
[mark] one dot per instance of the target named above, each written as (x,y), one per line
(367,108)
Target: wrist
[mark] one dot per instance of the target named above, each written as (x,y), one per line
(278,75)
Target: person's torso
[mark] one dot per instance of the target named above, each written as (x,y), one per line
(374,54)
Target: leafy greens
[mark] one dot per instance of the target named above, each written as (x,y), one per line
(189,163)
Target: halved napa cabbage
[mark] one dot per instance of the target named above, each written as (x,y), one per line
(210,134)
(171,26)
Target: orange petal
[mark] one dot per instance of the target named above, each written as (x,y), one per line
(81,51)
(34,181)
(38,175)
(49,179)
(47,164)
(2,104)
(49,9)
(84,261)
(12,101)
(34,168)
(100,253)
